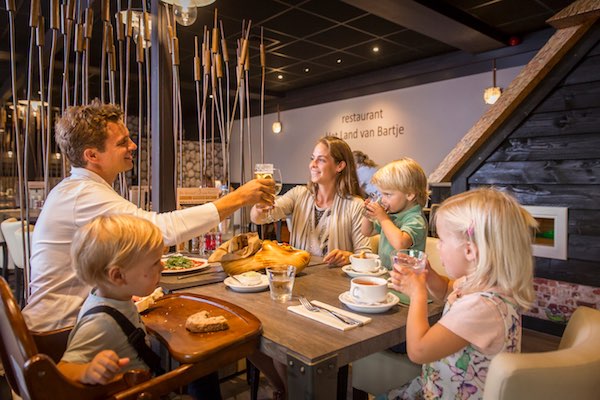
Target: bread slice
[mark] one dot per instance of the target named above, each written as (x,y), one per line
(146,302)
(202,322)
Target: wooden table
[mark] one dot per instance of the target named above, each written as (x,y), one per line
(314,352)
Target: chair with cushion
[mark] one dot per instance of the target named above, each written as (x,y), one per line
(12,231)
(570,372)
(381,372)
(5,258)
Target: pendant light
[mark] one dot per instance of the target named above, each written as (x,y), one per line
(491,94)
(277,127)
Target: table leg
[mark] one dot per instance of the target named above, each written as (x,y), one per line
(317,381)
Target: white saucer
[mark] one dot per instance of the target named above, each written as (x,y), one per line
(352,304)
(235,286)
(353,274)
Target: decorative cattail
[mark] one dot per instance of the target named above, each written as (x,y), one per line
(54,14)
(34,13)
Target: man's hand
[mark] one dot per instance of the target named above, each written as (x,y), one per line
(103,368)
(257,191)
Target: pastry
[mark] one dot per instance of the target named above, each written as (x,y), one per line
(202,322)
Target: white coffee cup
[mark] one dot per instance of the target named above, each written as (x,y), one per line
(370,262)
(368,289)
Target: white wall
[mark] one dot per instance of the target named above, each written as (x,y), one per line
(432,117)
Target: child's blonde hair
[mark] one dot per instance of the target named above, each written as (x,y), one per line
(405,175)
(502,230)
(112,240)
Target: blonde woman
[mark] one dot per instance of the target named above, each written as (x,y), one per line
(326,213)
(485,247)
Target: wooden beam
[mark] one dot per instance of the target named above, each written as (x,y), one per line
(433,23)
(508,104)
(576,13)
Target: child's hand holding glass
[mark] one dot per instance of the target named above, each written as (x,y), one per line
(408,280)
(373,208)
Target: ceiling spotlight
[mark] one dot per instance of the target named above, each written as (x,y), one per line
(279,76)
(491,94)
(375,49)
(277,127)
(339,61)
(306,69)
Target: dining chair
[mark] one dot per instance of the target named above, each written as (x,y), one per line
(570,372)
(6,262)
(12,231)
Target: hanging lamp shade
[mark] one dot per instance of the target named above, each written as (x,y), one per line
(277,127)
(492,94)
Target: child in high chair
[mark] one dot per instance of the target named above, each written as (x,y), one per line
(120,256)
(399,218)
(485,247)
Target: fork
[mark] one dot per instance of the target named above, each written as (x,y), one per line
(311,307)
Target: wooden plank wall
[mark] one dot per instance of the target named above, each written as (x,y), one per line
(553,158)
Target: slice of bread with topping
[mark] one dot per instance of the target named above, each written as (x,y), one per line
(202,322)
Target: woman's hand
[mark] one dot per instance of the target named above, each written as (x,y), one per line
(103,368)
(405,280)
(337,257)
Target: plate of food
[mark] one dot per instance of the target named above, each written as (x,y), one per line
(178,263)
(247,282)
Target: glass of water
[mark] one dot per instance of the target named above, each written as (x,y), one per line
(281,282)
(410,258)
(373,198)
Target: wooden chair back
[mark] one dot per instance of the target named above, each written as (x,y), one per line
(34,375)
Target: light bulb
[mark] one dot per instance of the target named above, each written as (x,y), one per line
(185,16)
(276,126)
(491,94)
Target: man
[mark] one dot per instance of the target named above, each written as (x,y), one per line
(97,144)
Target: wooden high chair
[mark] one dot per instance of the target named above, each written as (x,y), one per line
(34,375)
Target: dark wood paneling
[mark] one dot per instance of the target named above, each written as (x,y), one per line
(573,147)
(583,172)
(584,222)
(587,71)
(560,123)
(584,247)
(572,270)
(583,197)
(572,97)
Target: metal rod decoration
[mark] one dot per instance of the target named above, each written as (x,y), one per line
(227,132)
(10,7)
(78,56)
(140,61)
(89,25)
(40,31)
(263,66)
(197,79)
(105,16)
(128,34)
(247,94)
(120,39)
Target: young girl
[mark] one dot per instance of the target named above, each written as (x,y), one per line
(485,246)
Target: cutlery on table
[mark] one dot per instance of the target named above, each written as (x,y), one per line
(311,307)
(196,274)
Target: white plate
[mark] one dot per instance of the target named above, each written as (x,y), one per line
(353,274)
(233,285)
(349,301)
(181,271)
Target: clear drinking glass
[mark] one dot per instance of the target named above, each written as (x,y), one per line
(410,258)
(266,171)
(373,198)
(281,282)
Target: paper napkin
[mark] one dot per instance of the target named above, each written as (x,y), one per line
(328,319)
